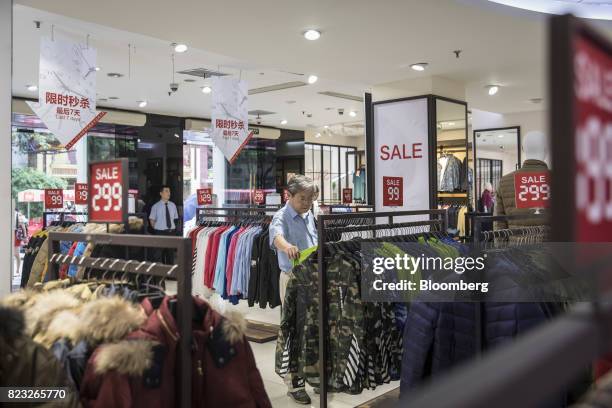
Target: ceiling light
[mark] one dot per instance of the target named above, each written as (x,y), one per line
(536,100)
(326,127)
(206,89)
(312,79)
(500,136)
(352,114)
(142,104)
(114,75)
(451,123)
(97,68)
(492,89)
(31,88)
(284,122)
(180,47)
(312,35)
(113,98)
(420,66)
(177,136)
(318,135)
(138,140)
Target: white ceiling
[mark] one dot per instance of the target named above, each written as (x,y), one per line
(364,43)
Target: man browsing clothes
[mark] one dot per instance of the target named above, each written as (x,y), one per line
(164,219)
(293,230)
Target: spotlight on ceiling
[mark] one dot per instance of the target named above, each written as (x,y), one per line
(180,47)
(318,135)
(419,66)
(492,89)
(31,88)
(97,68)
(312,35)
(312,79)
(283,122)
(206,89)
(142,104)
(352,114)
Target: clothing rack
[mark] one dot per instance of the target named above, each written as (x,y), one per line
(181,272)
(62,216)
(323,231)
(232,212)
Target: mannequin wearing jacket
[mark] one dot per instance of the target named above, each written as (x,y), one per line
(535,148)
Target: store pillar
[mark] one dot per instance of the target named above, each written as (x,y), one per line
(6,58)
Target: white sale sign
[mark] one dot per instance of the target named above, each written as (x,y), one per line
(401,155)
(67,90)
(230,116)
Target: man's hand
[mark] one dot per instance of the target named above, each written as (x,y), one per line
(292,251)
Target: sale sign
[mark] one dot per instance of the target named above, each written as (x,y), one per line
(205,196)
(532,189)
(108,192)
(81,196)
(54,198)
(393,191)
(67,90)
(259,196)
(347,195)
(230,115)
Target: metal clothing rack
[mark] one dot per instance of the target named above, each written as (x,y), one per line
(233,211)
(62,216)
(181,272)
(437,218)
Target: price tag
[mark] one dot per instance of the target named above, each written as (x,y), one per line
(81,195)
(205,196)
(259,196)
(54,198)
(532,190)
(393,191)
(347,195)
(108,191)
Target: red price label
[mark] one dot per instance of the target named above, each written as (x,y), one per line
(81,193)
(347,195)
(393,191)
(107,192)
(259,197)
(204,196)
(532,190)
(54,198)
(285,195)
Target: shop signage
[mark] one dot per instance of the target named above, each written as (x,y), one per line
(532,190)
(205,196)
(393,191)
(54,198)
(81,193)
(230,116)
(401,146)
(67,90)
(347,195)
(108,187)
(259,197)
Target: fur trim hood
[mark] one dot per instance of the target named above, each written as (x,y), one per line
(234,326)
(41,308)
(131,357)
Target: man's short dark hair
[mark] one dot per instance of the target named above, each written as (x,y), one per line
(161,189)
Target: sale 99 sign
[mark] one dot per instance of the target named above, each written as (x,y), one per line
(108,191)
(54,198)
(393,191)
(81,196)
(532,189)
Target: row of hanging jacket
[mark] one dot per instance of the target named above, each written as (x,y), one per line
(35,266)
(450,171)
(114,344)
(456,218)
(236,261)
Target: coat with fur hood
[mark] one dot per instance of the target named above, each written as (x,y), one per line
(24,363)
(140,371)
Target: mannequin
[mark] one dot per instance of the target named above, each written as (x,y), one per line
(535,148)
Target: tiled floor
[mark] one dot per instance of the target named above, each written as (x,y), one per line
(276,389)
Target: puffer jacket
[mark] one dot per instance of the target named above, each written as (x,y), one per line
(24,363)
(506,204)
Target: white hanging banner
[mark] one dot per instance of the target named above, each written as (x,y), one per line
(230,116)
(67,90)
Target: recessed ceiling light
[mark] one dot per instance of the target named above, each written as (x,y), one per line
(97,68)
(142,104)
(114,75)
(536,100)
(326,127)
(114,98)
(419,66)
(189,80)
(290,102)
(283,122)
(500,136)
(180,47)
(206,89)
(102,100)
(492,89)
(318,135)
(312,35)
(352,114)
(451,123)
(312,79)
(31,88)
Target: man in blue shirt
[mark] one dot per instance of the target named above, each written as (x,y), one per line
(293,230)
(164,219)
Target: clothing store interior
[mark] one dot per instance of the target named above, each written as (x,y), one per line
(196,189)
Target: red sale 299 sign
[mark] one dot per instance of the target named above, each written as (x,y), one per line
(81,196)
(54,198)
(204,196)
(108,191)
(393,191)
(532,190)
(259,196)
(347,195)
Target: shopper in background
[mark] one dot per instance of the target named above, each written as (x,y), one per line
(20,237)
(164,220)
(486,198)
(293,230)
